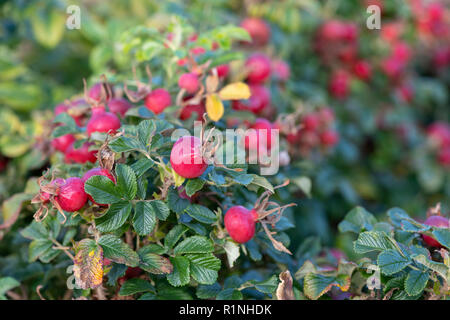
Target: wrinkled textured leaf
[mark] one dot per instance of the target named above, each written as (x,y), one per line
(194,244)
(118,251)
(181,272)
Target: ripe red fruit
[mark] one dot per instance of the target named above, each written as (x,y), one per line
(329,138)
(63,142)
(281,70)
(332,30)
(405,92)
(240,223)
(187,111)
(439,133)
(102,121)
(392,67)
(95,92)
(189,82)
(441,58)
(223,70)
(444,157)
(258,101)
(402,52)
(81,155)
(71,195)
(157,100)
(119,106)
(339,84)
(326,116)
(435,221)
(258,66)
(258,30)
(97,172)
(311,122)
(186,157)
(363,70)
(198,51)
(254,139)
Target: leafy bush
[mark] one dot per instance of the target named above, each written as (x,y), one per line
(362,120)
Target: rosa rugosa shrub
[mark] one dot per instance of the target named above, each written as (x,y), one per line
(139,199)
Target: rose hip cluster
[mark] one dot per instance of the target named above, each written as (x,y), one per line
(439,135)
(67,194)
(91,115)
(260,68)
(316,130)
(336,42)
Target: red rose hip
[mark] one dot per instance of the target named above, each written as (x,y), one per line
(240,223)
(71,195)
(186,157)
(157,100)
(435,221)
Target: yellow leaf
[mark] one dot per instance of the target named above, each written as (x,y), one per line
(235,91)
(214,107)
(88,264)
(177,178)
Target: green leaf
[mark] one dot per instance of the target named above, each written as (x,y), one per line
(134,286)
(194,244)
(142,184)
(152,261)
(397,215)
(125,144)
(391,261)
(233,252)
(373,241)
(305,184)
(442,236)
(437,267)
(148,296)
(48,25)
(152,248)
(176,203)
(118,251)
(397,282)
(144,219)
(142,166)
(208,291)
(37,248)
(126,181)
(410,225)
(204,267)
(102,190)
(262,182)
(415,282)
(145,129)
(268,286)
(117,271)
(174,235)
(194,185)
(357,220)
(6,284)
(229,294)
(181,272)
(35,231)
(115,217)
(201,213)
(316,285)
(160,208)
